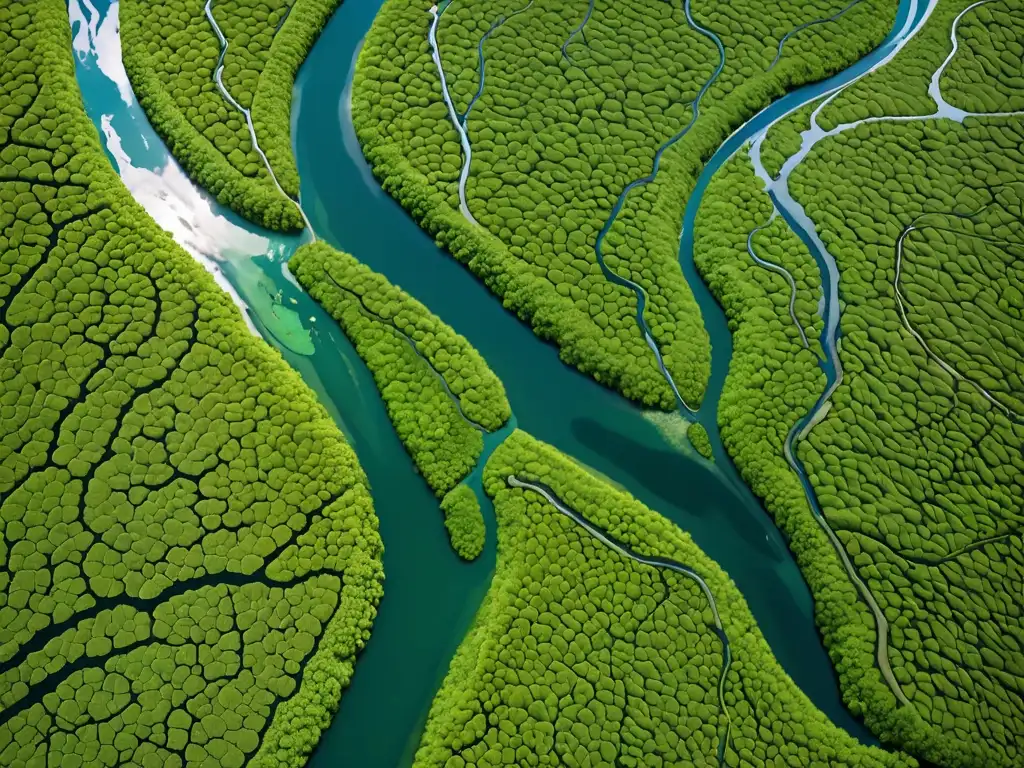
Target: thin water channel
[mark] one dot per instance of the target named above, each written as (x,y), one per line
(430,596)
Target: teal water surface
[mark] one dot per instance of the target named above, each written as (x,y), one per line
(551,400)
(430,596)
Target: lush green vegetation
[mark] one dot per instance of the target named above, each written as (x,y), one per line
(918,463)
(464,522)
(987,74)
(170,51)
(583,656)
(784,138)
(699,439)
(556,139)
(439,392)
(189,559)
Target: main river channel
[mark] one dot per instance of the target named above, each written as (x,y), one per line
(430,596)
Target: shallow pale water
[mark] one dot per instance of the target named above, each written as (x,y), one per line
(430,596)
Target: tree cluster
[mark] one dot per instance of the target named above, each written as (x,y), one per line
(189,558)
(438,390)
(699,439)
(583,656)
(464,522)
(272,98)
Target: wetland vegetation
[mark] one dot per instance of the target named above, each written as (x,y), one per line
(440,394)
(914,452)
(189,559)
(189,554)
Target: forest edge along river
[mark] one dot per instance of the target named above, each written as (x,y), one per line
(430,596)
(655,562)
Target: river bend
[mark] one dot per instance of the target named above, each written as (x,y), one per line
(430,596)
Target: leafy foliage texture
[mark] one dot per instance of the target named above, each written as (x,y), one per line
(464,522)
(583,656)
(699,439)
(171,52)
(189,559)
(439,392)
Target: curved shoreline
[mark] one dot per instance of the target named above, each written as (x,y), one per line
(322,224)
(412,344)
(638,290)
(180,313)
(801,224)
(908,21)
(218,73)
(910,27)
(656,562)
(830,364)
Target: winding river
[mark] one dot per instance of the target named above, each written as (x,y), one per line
(431,596)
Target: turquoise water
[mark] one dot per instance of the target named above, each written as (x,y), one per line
(430,596)
(638,291)
(551,400)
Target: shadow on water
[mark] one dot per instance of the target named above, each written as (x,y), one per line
(672,477)
(430,596)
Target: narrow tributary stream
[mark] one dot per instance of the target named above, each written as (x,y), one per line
(625,550)
(831,365)
(430,596)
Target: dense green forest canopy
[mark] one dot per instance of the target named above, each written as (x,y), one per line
(189,558)
(464,521)
(917,462)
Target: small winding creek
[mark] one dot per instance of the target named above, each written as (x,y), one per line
(430,596)
(481,67)
(807,25)
(218,76)
(796,217)
(655,562)
(641,294)
(919,225)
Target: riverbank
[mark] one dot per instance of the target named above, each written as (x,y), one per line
(430,597)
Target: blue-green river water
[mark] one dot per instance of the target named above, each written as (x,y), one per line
(430,596)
